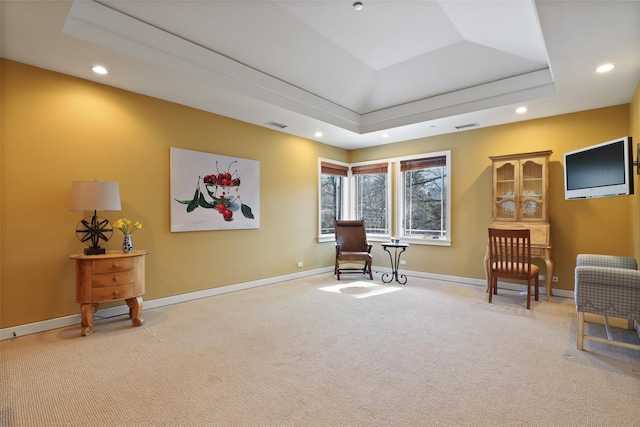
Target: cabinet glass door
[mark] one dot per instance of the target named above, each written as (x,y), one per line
(531,200)
(505,192)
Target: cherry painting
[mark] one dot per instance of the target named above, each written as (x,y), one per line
(213,192)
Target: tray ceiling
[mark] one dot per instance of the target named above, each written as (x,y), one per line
(406,69)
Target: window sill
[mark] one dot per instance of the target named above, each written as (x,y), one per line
(370,239)
(327,238)
(385,239)
(426,241)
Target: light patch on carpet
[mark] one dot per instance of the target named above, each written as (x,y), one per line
(360,289)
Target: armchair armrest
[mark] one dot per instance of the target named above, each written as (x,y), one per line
(612,261)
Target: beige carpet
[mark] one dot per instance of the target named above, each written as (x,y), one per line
(317,352)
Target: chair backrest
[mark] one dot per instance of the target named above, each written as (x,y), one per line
(351,235)
(510,252)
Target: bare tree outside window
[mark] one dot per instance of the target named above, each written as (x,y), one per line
(330,201)
(371,202)
(425,198)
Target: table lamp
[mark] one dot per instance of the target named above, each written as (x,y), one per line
(94,196)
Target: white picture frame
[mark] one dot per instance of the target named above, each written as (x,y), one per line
(202,182)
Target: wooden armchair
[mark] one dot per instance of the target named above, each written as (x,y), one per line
(352,247)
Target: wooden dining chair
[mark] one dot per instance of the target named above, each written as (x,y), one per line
(510,258)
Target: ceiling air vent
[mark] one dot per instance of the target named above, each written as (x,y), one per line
(276,125)
(470,125)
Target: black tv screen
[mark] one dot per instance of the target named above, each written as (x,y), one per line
(601,170)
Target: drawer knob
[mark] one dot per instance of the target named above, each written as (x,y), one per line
(114,265)
(115,293)
(114,278)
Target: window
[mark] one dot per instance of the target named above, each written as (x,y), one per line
(424,198)
(371,199)
(363,191)
(332,184)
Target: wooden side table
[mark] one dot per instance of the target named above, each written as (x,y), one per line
(113,276)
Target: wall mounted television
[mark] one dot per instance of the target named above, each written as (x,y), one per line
(601,170)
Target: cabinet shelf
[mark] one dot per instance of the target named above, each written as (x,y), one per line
(520,187)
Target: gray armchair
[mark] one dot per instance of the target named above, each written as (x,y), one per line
(609,286)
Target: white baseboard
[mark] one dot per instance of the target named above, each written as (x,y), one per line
(62,322)
(563,293)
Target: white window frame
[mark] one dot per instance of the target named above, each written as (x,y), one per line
(345,201)
(352,202)
(395,207)
(400,197)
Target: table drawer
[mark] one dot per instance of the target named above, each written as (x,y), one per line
(537,252)
(114,279)
(111,265)
(114,292)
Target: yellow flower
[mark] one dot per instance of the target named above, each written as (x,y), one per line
(124,225)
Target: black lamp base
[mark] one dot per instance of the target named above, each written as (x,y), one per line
(95,251)
(93,230)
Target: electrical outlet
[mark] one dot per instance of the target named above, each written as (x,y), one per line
(554,279)
(541,277)
(403,262)
(300,264)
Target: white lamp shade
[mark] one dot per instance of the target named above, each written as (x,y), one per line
(89,196)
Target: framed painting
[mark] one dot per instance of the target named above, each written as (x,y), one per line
(213,192)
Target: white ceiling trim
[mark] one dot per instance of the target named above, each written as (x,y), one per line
(103,26)
(537,84)
(106,27)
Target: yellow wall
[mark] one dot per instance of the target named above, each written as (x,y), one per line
(577,226)
(57,128)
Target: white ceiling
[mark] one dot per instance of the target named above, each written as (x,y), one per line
(408,69)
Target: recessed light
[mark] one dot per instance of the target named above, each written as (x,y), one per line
(99,69)
(521,110)
(318,134)
(385,135)
(604,68)
(358,5)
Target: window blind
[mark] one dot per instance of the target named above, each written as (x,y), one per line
(415,164)
(332,169)
(370,169)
